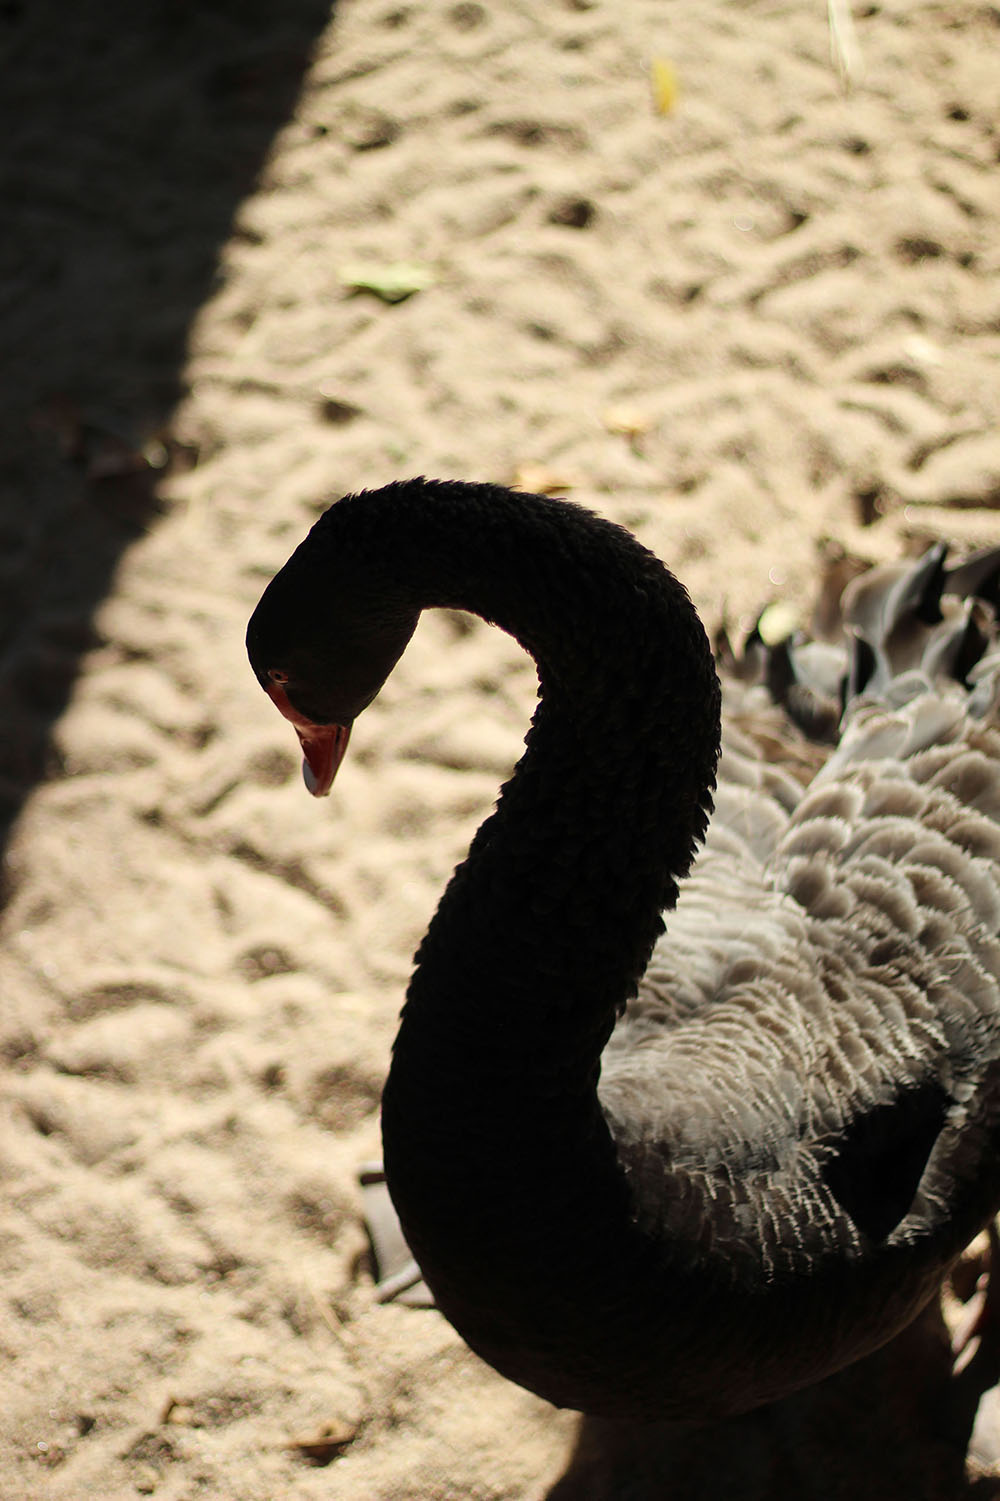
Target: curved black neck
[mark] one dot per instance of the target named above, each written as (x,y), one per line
(603,813)
(494,1140)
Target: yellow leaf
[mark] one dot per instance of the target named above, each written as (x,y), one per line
(539,479)
(664,80)
(629,421)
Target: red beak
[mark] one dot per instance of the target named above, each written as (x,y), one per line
(323,745)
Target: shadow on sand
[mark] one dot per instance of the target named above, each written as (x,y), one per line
(893,1427)
(131,133)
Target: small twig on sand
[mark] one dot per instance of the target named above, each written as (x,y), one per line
(844,42)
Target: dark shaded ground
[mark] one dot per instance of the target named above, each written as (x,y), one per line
(131,134)
(893,1427)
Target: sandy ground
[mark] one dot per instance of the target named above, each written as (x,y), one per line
(766,317)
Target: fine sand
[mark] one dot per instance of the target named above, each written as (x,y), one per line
(754,322)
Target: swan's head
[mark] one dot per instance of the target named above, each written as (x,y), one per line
(322,641)
(323,745)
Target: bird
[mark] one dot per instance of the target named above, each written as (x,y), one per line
(695,1096)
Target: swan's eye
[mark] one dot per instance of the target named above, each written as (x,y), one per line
(277,676)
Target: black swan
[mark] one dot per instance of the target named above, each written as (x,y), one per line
(678,1176)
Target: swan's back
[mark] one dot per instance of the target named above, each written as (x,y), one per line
(810,1069)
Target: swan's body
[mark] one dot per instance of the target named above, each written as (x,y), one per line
(797,1125)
